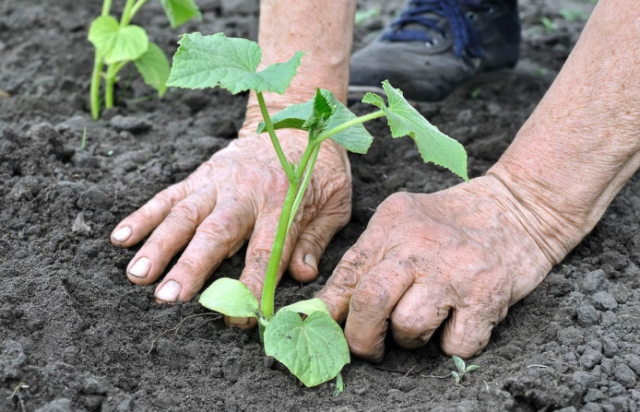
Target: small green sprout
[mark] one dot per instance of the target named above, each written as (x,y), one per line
(462,369)
(118,43)
(363,16)
(549,25)
(83,142)
(302,336)
(574,15)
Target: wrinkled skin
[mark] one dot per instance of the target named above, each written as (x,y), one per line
(237,196)
(429,258)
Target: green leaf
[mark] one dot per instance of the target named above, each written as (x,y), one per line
(314,350)
(180,11)
(355,139)
(117,44)
(472,368)
(230,297)
(459,363)
(322,111)
(154,68)
(456,376)
(307,307)
(374,99)
(210,61)
(433,145)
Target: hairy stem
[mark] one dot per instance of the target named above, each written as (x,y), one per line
(358,120)
(315,150)
(274,139)
(269,290)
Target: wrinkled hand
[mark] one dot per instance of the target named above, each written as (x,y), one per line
(235,196)
(461,256)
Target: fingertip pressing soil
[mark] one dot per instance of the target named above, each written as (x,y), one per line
(76,335)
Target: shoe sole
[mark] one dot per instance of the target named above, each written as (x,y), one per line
(356,93)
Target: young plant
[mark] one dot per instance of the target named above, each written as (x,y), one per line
(302,336)
(462,369)
(118,43)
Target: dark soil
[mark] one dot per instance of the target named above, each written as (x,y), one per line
(75,335)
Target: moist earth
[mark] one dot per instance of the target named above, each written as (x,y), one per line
(75,335)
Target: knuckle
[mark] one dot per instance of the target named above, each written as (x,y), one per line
(186,212)
(189,266)
(215,232)
(406,324)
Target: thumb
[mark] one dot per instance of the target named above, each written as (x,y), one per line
(312,243)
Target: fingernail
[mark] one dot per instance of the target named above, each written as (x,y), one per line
(169,292)
(238,321)
(311,261)
(122,234)
(141,268)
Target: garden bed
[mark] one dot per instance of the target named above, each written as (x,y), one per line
(76,335)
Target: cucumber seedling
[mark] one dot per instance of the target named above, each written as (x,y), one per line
(462,369)
(302,336)
(118,43)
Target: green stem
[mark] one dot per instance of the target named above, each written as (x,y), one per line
(110,81)
(305,182)
(269,290)
(274,139)
(136,7)
(358,120)
(106,8)
(94,93)
(95,86)
(126,13)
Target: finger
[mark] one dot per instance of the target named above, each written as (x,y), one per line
(468,330)
(419,313)
(371,305)
(358,260)
(171,236)
(220,235)
(140,223)
(312,243)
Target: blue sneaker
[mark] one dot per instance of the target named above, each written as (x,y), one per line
(436,45)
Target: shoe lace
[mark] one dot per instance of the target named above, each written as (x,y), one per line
(465,38)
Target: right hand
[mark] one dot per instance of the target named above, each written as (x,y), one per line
(236,196)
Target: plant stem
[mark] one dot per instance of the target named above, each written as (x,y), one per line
(97,71)
(126,13)
(95,86)
(358,120)
(315,150)
(274,139)
(269,290)
(106,8)
(110,81)
(136,7)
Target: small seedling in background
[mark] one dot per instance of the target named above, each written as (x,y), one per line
(549,25)
(83,142)
(118,43)
(302,336)
(476,92)
(541,71)
(363,16)
(573,15)
(462,369)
